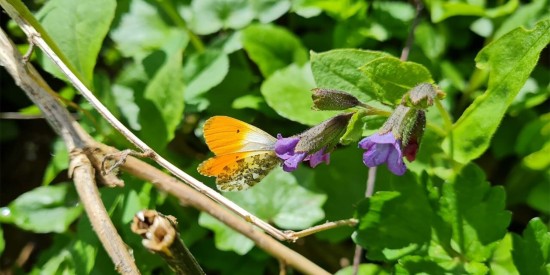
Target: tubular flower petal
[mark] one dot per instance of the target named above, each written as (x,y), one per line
(383,149)
(285,149)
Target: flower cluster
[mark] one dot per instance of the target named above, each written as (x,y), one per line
(313,145)
(285,148)
(398,138)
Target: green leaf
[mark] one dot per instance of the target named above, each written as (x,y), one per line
(501,260)
(165,93)
(482,27)
(354,130)
(339,70)
(419,265)
(269,10)
(78,28)
(278,198)
(531,252)
(364,269)
(538,196)
(58,162)
(441,10)
(210,16)
(44,209)
(142,30)
(467,203)
(226,238)
(431,40)
(510,60)
(392,78)
(272,48)
(539,160)
(344,193)
(203,71)
(526,15)
(395,222)
(287,91)
(125,101)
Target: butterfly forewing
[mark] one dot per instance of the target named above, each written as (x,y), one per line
(226,135)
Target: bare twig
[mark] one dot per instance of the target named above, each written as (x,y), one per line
(37,40)
(410,39)
(160,235)
(358,254)
(75,139)
(82,172)
(323,227)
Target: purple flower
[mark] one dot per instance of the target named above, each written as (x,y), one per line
(285,149)
(318,158)
(383,148)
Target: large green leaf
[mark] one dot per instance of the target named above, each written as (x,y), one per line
(272,47)
(526,15)
(510,60)
(467,203)
(165,93)
(344,192)
(44,209)
(269,10)
(392,78)
(441,10)
(203,71)
(78,28)
(397,221)
(209,16)
(279,199)
(142,30)
(288,92)
(58,162)
(531,253)
(501,260)
(363,269)
(339,69)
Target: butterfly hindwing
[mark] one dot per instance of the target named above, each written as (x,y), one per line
(241,170)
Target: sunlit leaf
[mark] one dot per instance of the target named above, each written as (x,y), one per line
(44,209)
(272,48)
(288,92)
(78,28)
(531,251)
(510,60)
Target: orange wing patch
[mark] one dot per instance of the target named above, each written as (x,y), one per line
(239,171)
(226,135)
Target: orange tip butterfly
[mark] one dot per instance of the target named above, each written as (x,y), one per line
(244,154)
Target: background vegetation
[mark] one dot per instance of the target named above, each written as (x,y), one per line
(476,200)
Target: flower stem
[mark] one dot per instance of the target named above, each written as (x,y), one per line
(178,20)
(374,111)
(445,115)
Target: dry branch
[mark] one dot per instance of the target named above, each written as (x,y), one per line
(75,139)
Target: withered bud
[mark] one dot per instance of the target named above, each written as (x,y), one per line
(423,95)
(325,135)
(327,99)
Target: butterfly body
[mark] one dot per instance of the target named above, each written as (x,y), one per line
(244,153)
